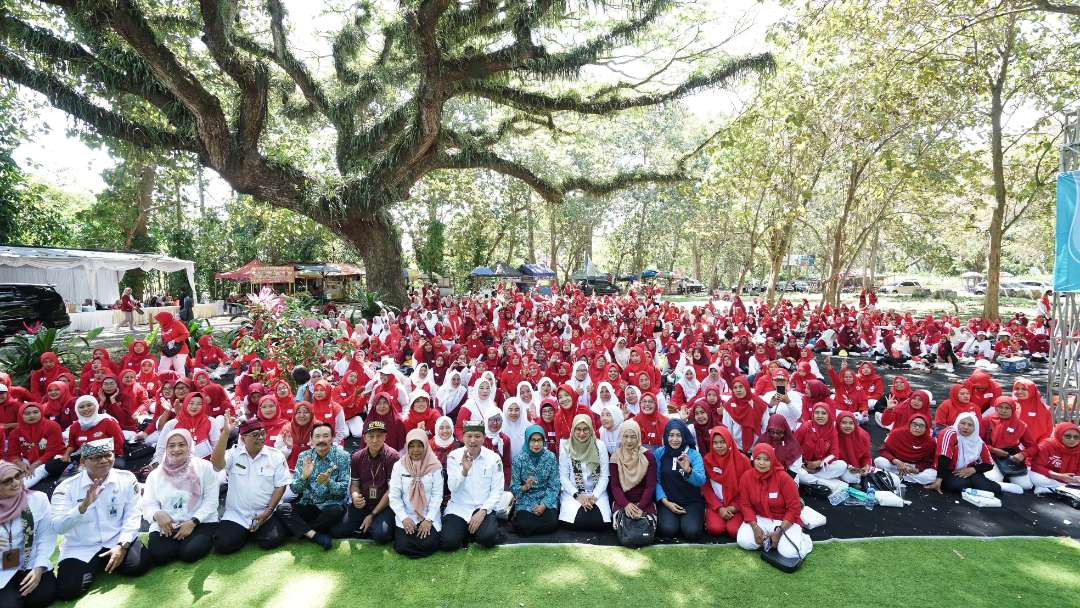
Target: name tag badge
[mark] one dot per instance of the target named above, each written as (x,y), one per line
(240,466)
(988,395)
(1010,429)
(11,559)
(652,434)
(372,493)
(327,415)
(718,470)
(82,437)
(774,494)
(674,464)
(1031,413)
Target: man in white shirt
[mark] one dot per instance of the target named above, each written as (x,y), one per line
(97,512)
(784,401)
(475,480)
(257,476)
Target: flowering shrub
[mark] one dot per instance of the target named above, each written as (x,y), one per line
(290,331)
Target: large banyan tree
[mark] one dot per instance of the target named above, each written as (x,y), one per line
(220,80)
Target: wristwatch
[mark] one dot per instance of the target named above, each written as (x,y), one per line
(195,520)
(576,494)
(125,546)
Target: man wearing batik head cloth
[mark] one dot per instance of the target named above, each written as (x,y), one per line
(475,480)
(97,512)
(258,475)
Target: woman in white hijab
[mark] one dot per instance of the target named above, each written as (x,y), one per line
(611,418)
(621,352)
(451,394)
(546,388)
(605,396)
(964,459)
(530,402)
(632,400)
(515,421)
(581,382)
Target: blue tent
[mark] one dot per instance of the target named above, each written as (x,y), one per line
(481,271)
(648,274)
(539,271)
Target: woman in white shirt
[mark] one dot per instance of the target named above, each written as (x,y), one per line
(583,475)
(180,501)
(27,529)
(192,416)
(415,493)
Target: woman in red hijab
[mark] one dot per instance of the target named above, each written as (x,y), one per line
(869,381)
(50,371)
(853,447)
(779,435)
(848,395)
(192,415)
(701,418)
(959,401)
(59,404)
(349,394)
(1058,460)
(900,388)
(173,332)
(421,415)
(547,422)
(217,400)
(208,355)
(770,507)
(325,410)
(35,445)
(909,451)
(1008,438)
(724,467)
(897,414)
(651,422)
(296,437)
(983,389)
(137,351)
(384,412)
(285,401)
(1032,409)
(817,438)
(745,414)
(272,420)
(147,377)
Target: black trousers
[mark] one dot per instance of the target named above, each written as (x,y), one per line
(527,523)
(301,519)
(192,548)
(952,483)
(589,520)
(690,525)
(412,546)
(41,596)
(74,577)
(231,536)
(382,525)
(455,533)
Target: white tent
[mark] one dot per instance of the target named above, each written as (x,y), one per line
(78,274)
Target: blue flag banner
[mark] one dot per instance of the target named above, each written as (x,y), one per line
(1067,236)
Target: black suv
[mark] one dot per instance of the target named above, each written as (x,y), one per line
(23,303)
(597,287)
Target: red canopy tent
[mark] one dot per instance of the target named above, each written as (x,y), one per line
(242,273)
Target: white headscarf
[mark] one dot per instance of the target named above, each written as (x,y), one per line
(583,387)
(621,352)
(633,407)
(439,441)
(91,420)
(482,408)
(968,449)
(448,397)
(611,439)
(514,430)
(496,437)
(600,404)
(539,385)
(531,408)
(689,387)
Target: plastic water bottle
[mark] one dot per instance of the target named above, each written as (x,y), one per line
(838,497)
(871,499)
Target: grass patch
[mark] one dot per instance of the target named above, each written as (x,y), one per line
(939,572)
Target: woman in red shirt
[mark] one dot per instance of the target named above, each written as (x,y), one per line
(1058,460)
(770,507)
(35,445)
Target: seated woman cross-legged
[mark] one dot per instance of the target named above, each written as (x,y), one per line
(180,500)
(535,484)
(724,467)
(583,476)
(770,506)
(821,462)
(1009,441)
(632,475)
(680,475)
(416,487)
(910,452)
(28,582)
(963,459)
(1058,460)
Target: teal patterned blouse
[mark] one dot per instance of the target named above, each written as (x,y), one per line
(543,468)
(333,492)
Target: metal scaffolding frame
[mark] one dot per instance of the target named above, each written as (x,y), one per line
(1063,376)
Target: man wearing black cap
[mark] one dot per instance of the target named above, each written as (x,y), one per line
(369,504)
(257,477)
(475,479)
(97,512)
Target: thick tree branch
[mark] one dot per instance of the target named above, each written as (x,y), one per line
(106,122)
(541,103)
(1064,9)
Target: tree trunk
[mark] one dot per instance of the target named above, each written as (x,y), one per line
(138,237)
(531,229)
(553,243)
(378,243)
(997,220)
(695,253)
(639,248)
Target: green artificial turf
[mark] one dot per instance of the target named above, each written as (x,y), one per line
(895,572)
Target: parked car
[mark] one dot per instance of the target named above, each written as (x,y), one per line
(597,287)
(688,285)
(24,304)
(904,288)
(800,285)
(1035,289)
(1011,289)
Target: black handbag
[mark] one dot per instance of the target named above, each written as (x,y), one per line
(784,564)
(814,490)
(1010,468)
(636,532)
(173,350)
